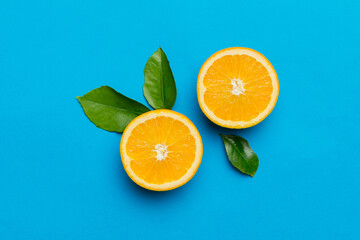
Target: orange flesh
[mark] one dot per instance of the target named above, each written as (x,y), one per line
(256,81)
(180,150)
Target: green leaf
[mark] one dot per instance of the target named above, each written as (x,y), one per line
(240,154)
(159,87)
(110,110)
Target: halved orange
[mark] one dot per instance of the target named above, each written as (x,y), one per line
(161,150)
(237,87)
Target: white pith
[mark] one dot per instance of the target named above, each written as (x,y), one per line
(161,152)
(238,87)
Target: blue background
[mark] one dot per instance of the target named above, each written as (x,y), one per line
(62,178)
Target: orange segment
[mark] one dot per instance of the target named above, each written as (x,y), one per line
(237,87)
(161,150)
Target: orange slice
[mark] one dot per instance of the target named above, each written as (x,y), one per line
(237,87)
(161,150)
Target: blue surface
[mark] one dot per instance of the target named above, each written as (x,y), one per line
(62,178)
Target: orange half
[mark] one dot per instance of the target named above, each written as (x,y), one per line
(237,87)
(161,150)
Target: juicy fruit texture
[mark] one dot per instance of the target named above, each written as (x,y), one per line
(237,88)
(161,150)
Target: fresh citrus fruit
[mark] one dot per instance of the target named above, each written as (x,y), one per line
(161,150)
(237,87)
